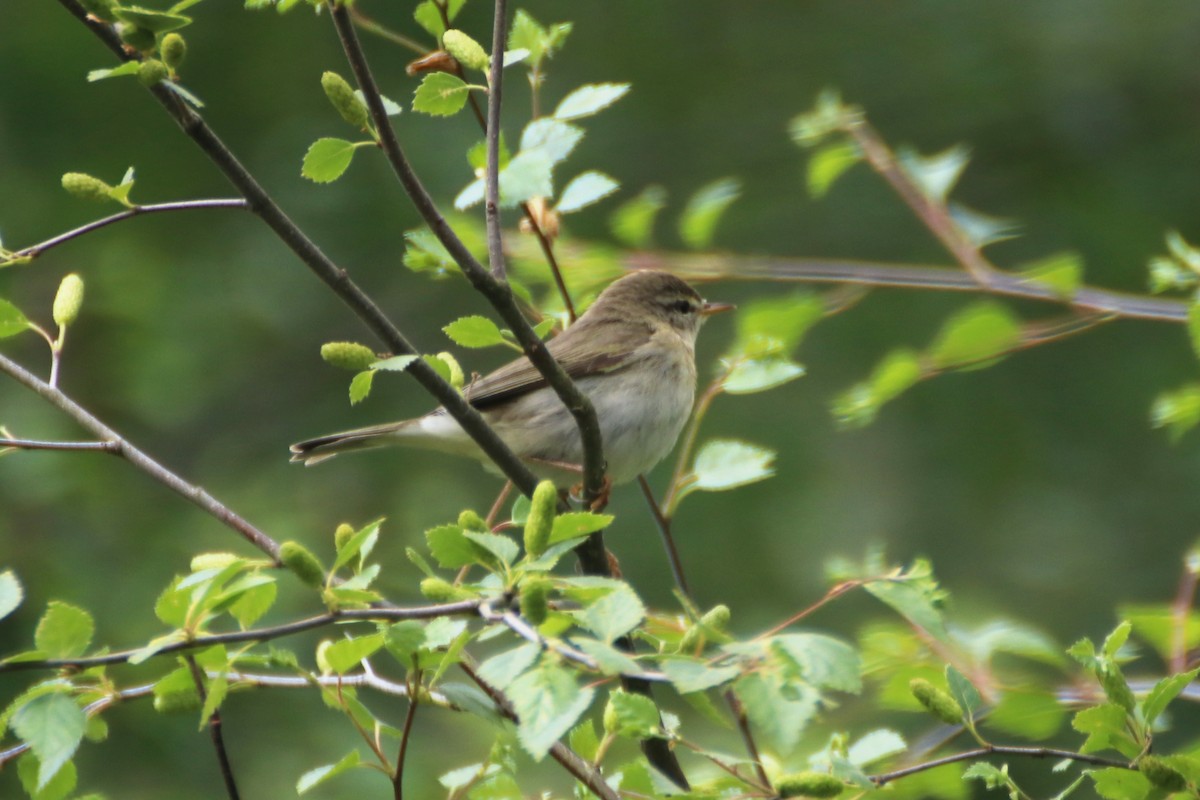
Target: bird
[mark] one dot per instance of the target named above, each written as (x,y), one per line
(632,353)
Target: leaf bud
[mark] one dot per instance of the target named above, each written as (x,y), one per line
(300,560)
(68,300)
(205,561)
(1161,774)
(465,50)
(348,355)
(436,61)
(173,50)
(443,591)
(456,371)
(152,72)
(177,702)
(936,701)
(533,600)
(541,518)
(344,100)
(341,535)
(468,520)
(809,784)
(86,187)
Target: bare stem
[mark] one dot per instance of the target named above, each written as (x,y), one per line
(664,529)
(491,200)
(214,729)
(406,734)
(743,724)
(139,459)
(31,444)
(999,750)
(35,250)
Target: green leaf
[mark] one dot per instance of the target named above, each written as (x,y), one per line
(574,524)
(553,138)
(1194,326)
(875,746)
(935,175)
(775,326)
(976,337)
(609,659)
(327,159)
(1164,692)
(474,331)
(778,712)
(344,655)
(217,690)
(704,209)
(1105,727)
(429,17)
(633,222)
(820,660)
(859,405)
(1178,411)
(12,321)
(583,740)
(633,716)
(502,547)
(52,725)
(827,116)
(589,99)
(541,42)
(440,94)
(548,702)
(395,363)
(128,68)
(584,190)
(11,593)
(465,50)
(317,776)
(451,548)
(828,163)
(253,603)
(760,374)
(1031,714)
(696,676)
(57,788)
(527,176)
(424,253)
(1113,783)
(404,639)
(148,19)
(503,668)
(964,692)
(64,631)
(477,155)
(725,464)
(1061,273)
(1117,639)
(915,595)
(360,386)
(614,614)
(981,229)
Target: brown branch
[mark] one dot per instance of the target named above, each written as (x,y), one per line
(663,524)
(214,729)
(999,750)
(491,190)
(255,635)
(587,774)
(405,734)
(139,459)
(35,250)
(32,444)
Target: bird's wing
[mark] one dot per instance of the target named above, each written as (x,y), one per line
(578,353)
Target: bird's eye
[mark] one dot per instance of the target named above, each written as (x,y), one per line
(682,306)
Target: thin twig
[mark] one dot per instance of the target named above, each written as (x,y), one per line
(214,729)
(35,250)
(743,725)
(999,750)
(587,774)
(491,191)
(32,444)
(371,26)
(336,278)
(1181,611)
(406,734)
(905,276)
(256,635)
(139,459)
(833,593)
(664,530)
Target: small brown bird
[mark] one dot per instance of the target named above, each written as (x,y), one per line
(632,353)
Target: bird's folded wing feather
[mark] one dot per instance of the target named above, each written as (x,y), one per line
(583,357)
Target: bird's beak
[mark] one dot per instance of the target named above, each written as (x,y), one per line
(708,309)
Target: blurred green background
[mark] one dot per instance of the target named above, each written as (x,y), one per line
(1036,487)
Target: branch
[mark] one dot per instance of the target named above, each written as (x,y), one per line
(32,444)
(264,206)
(214,728)
(33,251)
(139,459)
(491,200)
(905,276)
(256,635)
(495,292)
(587,774)
(999,750)
(406,733)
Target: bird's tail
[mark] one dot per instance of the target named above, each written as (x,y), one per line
(314,451)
